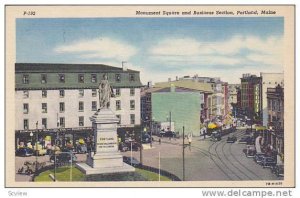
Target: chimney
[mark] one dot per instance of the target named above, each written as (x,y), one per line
(124,66)
(169,79)
(149,84)
(176,78)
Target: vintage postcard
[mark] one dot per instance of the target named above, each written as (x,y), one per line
(150,96)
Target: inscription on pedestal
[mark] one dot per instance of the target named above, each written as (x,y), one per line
(106,142)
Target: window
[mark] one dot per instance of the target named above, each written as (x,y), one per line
(118,105)
(132,104)
(119,117)
(25,108)
(132,119)
(25,94)
(44,93)
(94,78)
(62,93)
(44,123)
(131,77)
(25,124)
(44,107)
(118,78)
(61,107)
(81,106)
(118,92)
(62,121)
(81,92)
(43,78)
(81,121)
(61,78)
(132,91)
(94,105)
(94,92)
(80,78)
(25,79)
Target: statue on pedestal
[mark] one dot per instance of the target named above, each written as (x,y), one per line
(105,93)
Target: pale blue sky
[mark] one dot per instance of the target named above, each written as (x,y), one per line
(158,47)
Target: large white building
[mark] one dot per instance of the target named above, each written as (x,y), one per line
(269,80)
(64,96)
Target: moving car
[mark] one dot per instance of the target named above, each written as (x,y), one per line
(231,139)
(131,161)
(171,134)
(268,162)
(146,138)
(24,152)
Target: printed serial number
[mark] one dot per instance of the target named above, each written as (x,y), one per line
(29,13)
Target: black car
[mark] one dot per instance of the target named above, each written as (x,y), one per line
(215,137)
(131,161)
(170,134)
(246,140)
(278,170)
(24,152)
(64,157)
(258,157)
(268,162)
(231,139)
(146,138)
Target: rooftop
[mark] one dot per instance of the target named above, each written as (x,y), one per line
(65,68)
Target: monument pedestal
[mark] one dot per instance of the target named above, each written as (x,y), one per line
(107,158)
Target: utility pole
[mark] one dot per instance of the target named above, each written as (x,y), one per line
(141,147)
(170,114)
(183,163)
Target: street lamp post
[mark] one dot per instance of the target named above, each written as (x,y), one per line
(183,162)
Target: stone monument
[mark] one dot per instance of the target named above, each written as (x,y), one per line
(106,158)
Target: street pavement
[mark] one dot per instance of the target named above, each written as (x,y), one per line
(205,160)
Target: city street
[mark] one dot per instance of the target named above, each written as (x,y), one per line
(205,160)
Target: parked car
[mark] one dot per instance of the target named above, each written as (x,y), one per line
(258,157)
(64,157)
(248,131)
(171,134)
(268,162)
(250,151)
(131,161)
(24,152)
(278,170)
(146,138)
(231,139)
(246,140)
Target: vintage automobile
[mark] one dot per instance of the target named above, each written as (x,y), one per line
(278,170)
(258,157)
(268,162)
(63,157)
(250,151)
(24,152)
(231,139)
(215,136)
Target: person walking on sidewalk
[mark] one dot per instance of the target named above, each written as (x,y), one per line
(190,141)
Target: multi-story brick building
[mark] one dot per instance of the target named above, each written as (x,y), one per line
(49,97)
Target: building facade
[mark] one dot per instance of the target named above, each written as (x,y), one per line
(269,80)
(64,96)
(251,96)
(275,104)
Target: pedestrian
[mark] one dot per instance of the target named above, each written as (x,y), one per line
(159,140)
(190,142)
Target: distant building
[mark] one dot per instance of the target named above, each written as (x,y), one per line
(275,104)
(49,97)
(269,80)
(183,105)
(251,96)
